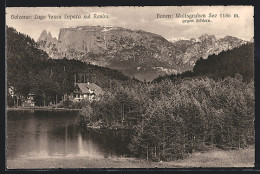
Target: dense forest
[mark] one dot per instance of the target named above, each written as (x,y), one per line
(213,106)
(171,119)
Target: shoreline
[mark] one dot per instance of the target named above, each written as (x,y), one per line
(40,109)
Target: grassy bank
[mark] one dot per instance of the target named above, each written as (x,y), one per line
(214,158)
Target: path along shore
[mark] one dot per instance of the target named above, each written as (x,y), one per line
(40,108)
(214,158)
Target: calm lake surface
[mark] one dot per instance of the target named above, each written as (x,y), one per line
(50,134)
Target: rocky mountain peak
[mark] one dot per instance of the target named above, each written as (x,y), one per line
(230,39)
(207,37)
(43,35)
(46,36)
(47,43)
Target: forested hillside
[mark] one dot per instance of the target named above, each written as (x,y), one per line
(228,63)
(29,70)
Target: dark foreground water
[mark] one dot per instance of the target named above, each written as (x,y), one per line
(50,134)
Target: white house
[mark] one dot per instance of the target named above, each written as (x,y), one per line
(87,90)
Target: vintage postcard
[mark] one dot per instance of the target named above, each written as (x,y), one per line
(130,87)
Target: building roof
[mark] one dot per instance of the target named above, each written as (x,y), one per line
(85,87)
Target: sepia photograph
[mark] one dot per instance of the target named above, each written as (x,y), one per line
(130,87)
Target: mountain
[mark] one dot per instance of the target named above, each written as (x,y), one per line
(136,53)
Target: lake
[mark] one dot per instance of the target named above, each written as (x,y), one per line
(51,134)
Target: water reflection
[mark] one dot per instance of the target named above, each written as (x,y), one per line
(45,134)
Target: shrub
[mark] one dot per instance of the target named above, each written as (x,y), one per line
(84,116)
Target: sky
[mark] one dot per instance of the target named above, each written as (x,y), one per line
(138,18)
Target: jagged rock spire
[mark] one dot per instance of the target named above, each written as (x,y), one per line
(43,35)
